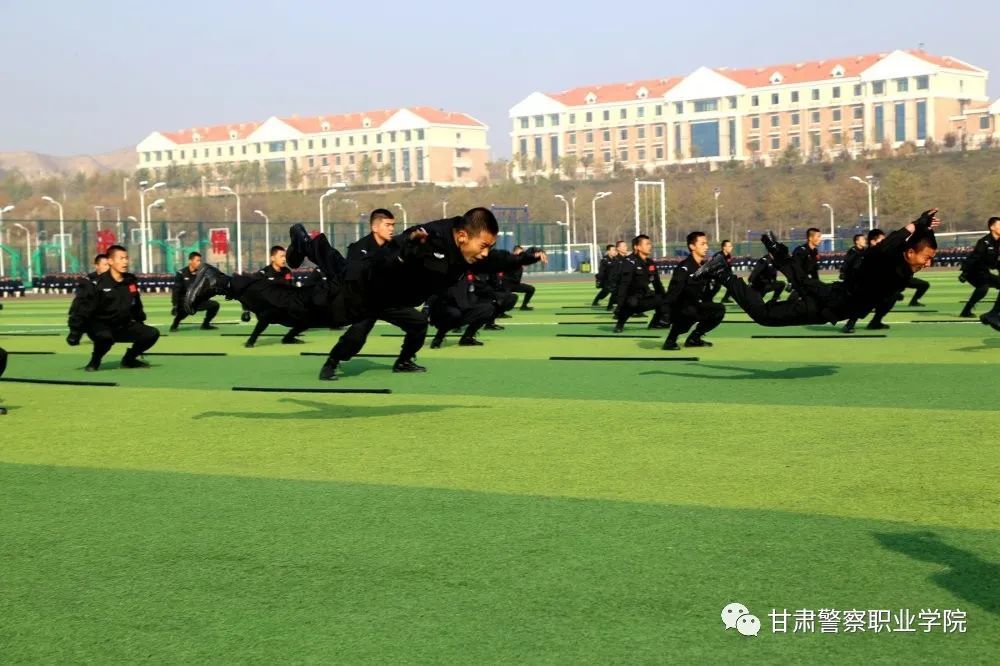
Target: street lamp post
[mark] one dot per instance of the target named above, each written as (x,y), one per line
(143,249)
(267,228)
(400,207)
(239,228)
(27,241)
(444,209)
(568,218)
(5,209)
(593,237)
(149,226)
(832,229)
(569,256)
(332,190)
(62,234)
(97,214)
(867,182)
(717,192)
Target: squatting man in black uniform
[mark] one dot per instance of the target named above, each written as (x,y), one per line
(181,281)
(615,271)
(412,321)
(109,310)
(602,279)
(404,272)
(277,273)
(689,298)
(886,269)
(639,286)
(510,281)
(977,270)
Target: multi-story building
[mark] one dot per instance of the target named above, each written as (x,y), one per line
(820,108)
(409,145)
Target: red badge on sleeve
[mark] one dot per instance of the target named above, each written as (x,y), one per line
(133,289)
(288,276)
(652,268)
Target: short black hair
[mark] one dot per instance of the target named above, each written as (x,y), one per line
(921,238)
(812,230)
(617,243)
(638,239)
(694,236)
(724,242)
(98,257)
(275,249)
(993,220)
(608,247)
(380,214)
(116,248)
(477,220)
(857,236)
(193,255)
(875,234)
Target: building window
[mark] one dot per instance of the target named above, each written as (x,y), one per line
(589,137)
(859,137)
(795,119)
(572,119)
(407,135)
(796,141)
(350,140)
(312,162)
(836,115)
(642,155)
(554,119)
(836,92)
(679,108)
(538,147)
(364,139)
(322,143)
(879,123)
(607,114)
(539,121)
(606,135)
(754,100)
(524,147)
(659,109)
(623,155)
(623,134)
(795,96)
(554,151)
(706,105)
(923,82)
(336,160)
(732,136)
(858,90)
(813,140)
(775,142)
(902,85)
(145,156)
(732,103)
(775,120)
(984,120)
(921,120)
(336,141)
(878,87)
(659,131)
(392,139)
(420,135)
(256,146)
(325,161)
(590,117)
(774,99)
(815,94)
(232,151)
(350,158)
(623,114)
(755,122)
(640,112)
(754,145)
(814,117)
(572,138)
(524,122)
(858,112)
(835,136)
(244,152)
(677,139)
(606,156)
(218,152)
(900,121)
(659,152)
(310,144)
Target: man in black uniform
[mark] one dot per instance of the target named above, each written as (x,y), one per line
(615,272)
(181,281)
(110,311)
(412,321)
(461,305)
(3,366)
(764,279)
(602,274)
(806,258)
(100,266)
(639,286)
(852,259)
(491,288)
(726,250)
(885,271)
(689,298)
(405,272)
(277,273)
(512,281)
(977,267)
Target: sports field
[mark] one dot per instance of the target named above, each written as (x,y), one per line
(503,507)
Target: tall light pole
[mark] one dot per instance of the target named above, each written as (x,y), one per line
(62,234)
(27,240)
(5,209)
(125,182)
(143,249)
(97,214)
(717,192)
(833,240)
(267,228)
(329,192)
(568,218)
(147,233)
(444,209)
(569,262)
(239,228)
(573,221)
(400,207)
(593,237)
(867,182)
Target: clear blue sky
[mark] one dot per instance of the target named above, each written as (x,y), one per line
(87,77)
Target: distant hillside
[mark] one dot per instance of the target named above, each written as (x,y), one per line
(34,166)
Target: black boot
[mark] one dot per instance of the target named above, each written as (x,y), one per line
(130,360)
(407,365)
(469,342)
(328,372)
(298,241)
(670,344)
(695,340)
(438,339)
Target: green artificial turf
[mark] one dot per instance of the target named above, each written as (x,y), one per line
(502,507)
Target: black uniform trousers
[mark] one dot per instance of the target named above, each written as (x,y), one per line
(981,285)
(328,304)
(503,301)
(521,288)
(3,360)
(446,317)
(638,304)
(706,315)
(141,336)
(764,288)
(920,287)
(601,295)
(209,307)
(412,321)
(262,325)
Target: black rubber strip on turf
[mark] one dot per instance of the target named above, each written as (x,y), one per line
(274,389)
(59,382)
(185,354)
(841,336)
(584,314)
(957,320)
(607,335)
(31,335)
(623,358)
(247,335)
(355,356)
(587,323)
(30,353)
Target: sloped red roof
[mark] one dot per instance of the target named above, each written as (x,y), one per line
(616,92)
(212,133)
